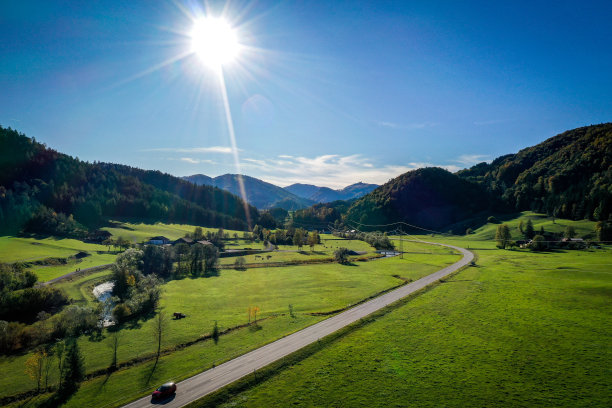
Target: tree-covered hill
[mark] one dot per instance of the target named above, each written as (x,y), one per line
(429,197)
(45,191)
(568,175)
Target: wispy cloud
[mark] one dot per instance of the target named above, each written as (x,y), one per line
(196,161)
(389,125)
(193,150)
(330,170)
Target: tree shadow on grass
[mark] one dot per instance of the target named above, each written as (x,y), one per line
(147,375)
(60,397)
(211,273)
(255,327)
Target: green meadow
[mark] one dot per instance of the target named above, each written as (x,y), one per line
(226,298)
(141,232)
(35,252)
(519,328)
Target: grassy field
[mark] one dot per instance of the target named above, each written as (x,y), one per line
(141,232)
(584,228)
(518,329)
(226,298)
(30,250)
(16,249)
(289,253)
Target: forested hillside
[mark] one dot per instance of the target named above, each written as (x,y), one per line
(429,197)
(42,190)
(568,176)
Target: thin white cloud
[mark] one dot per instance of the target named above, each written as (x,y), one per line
(334,171)
(196,161)
(193,150)
(389,125)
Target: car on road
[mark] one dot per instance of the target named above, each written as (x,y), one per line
(164,391)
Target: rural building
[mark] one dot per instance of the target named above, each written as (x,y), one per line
(159,240)
(184,240)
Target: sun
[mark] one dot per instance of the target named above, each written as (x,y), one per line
(214,41)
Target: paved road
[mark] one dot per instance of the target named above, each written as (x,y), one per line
(211,380)
(59,278)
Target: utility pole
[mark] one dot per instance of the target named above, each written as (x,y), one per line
(401,244)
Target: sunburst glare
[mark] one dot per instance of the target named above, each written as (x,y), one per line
(214,41)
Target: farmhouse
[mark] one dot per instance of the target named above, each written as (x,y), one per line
(159,240)
(184,240)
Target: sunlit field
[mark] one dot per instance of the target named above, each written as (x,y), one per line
(519,328)
(226,298)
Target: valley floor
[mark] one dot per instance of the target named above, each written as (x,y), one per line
(517,329)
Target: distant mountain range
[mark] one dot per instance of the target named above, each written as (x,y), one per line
(47,192)
(327,195)
(265,195)
(259,193)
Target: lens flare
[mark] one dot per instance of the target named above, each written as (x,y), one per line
(214,41)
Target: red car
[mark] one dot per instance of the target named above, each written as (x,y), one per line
(164,391)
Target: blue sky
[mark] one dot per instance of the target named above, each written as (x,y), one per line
(328,93)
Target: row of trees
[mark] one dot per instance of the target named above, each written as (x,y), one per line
(134,293)
(290,236)
(65,357)
(376,239)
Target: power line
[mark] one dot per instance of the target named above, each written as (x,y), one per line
(400,223)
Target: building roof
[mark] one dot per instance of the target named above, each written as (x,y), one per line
(185,240)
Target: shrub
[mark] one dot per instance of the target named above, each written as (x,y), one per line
(121,313)
(538,243)
(492,220)
(341,255)
(240,264)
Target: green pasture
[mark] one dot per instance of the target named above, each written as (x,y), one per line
(226,299)
(141,232)
(16,249)
(46,273)
(289,253)
(518,329)
(584,228)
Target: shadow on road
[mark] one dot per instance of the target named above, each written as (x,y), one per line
(163,401)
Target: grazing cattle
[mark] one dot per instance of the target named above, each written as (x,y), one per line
(268,257)
(178,315)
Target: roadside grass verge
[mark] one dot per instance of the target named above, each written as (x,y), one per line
(518,329)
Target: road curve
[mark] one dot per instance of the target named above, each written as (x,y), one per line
(213,379)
